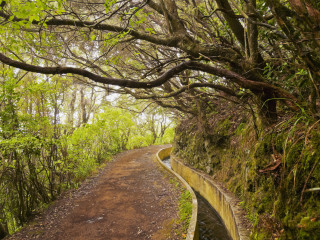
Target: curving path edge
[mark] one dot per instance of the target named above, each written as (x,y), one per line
(192,233)
(224,202)
(130,198)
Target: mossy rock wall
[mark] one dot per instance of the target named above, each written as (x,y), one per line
(276,172)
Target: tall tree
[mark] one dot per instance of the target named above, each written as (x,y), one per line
(264,51)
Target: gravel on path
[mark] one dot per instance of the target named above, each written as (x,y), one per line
(131,198)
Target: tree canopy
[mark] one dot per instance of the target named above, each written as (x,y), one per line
(55,132)
(174,52)
(195,57)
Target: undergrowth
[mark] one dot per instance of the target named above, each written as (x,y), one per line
(185,209)
(275,173)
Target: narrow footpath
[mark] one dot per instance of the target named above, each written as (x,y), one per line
(131,198)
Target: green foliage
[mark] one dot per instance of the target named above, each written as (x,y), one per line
(108,4)
(185,209)
(168,136)
(281,202)
(40,156)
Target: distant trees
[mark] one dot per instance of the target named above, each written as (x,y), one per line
(185,55)
(53,133)
(175,52)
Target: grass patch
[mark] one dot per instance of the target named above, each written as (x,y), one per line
(185,210)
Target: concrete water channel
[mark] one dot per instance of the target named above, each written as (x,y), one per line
(210,225)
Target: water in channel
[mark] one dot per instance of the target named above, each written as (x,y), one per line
(210,224)
(167,162)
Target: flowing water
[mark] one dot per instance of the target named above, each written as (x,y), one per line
(210,224)
(167,162)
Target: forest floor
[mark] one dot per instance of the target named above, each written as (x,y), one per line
(131,198)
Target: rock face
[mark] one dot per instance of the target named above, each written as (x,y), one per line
(270,170)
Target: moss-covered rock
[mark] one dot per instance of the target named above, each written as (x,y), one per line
(276,172)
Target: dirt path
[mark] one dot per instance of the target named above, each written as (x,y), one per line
(130,199)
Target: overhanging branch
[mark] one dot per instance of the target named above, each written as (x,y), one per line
(186,88)
(168,41)
(255,86)
(97,78)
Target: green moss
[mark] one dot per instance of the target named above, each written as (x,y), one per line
(274,199)
(185,209)
(240,129)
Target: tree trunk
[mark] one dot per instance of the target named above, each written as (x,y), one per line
(267,109)
(72,108)
(3,231)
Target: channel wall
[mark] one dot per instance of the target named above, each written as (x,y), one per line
(192,233)
(225,203)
